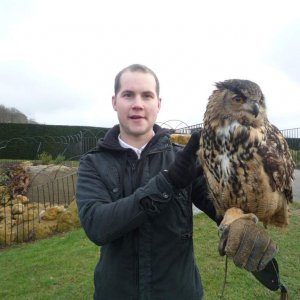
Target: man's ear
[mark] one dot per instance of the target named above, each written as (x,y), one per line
(114,102)
(159,103)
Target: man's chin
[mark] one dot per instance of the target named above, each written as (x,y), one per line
(137,131)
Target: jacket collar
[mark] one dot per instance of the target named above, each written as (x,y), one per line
(160,140)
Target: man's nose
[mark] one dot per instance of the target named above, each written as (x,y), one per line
(138,102)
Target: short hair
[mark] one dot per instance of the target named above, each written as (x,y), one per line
(135,68)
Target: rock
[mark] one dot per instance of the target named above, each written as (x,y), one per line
(43,230)
(69,219)
(5,212)
(51,213)
(26,164)
(30,214)
(17,208)
(4,195)
(19,219)
(21,199)
(7,237)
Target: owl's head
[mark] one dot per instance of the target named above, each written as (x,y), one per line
(237,100)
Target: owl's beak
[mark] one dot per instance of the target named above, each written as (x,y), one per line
(254,107)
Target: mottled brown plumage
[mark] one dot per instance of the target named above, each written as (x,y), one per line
(245,158)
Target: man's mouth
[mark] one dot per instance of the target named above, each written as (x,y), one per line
(136,117)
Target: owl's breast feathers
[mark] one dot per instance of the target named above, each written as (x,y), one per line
(246,167)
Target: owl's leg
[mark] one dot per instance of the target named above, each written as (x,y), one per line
(233,214)
(251,217)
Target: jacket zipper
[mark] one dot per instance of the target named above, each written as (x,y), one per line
(137,279)
(136,234)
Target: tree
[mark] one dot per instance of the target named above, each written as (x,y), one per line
(13,115)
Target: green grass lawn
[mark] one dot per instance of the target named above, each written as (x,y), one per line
(62,267)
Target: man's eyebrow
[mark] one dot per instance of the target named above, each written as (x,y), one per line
(127,91)
(149,92)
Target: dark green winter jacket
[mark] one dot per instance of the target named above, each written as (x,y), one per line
(143,225)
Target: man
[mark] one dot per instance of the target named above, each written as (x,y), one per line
(135,194)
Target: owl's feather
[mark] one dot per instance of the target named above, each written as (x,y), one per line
(245,158)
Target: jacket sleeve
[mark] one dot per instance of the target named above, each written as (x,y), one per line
(105,220)
(201,200)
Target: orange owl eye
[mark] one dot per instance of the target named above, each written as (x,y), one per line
(238,98)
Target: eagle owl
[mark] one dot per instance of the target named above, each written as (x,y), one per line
(246,160)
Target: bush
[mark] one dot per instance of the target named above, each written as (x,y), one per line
(59,159)
(45,158)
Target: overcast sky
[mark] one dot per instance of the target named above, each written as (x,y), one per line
(58,58)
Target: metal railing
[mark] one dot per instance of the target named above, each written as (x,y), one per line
(58,191)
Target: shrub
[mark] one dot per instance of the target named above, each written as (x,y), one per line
(59,159)
(45,158)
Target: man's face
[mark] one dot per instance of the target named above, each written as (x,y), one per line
(136,104)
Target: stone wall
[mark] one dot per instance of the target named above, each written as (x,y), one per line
(44,208)
(22,220)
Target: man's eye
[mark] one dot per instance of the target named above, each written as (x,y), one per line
(148,96)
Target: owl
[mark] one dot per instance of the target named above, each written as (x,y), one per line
(246,160)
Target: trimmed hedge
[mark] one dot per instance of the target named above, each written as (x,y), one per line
(27,141)
(294,143)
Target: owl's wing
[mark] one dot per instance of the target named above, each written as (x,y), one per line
(278,162)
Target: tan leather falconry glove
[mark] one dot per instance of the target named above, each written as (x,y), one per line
(249,245)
